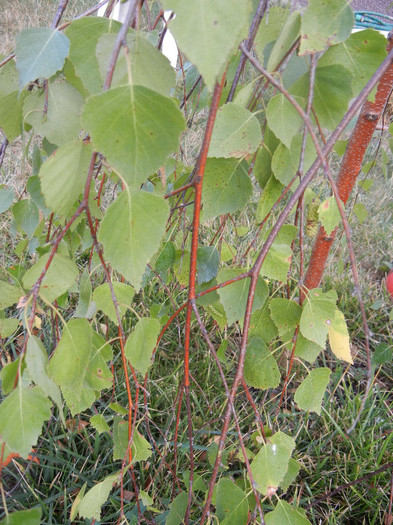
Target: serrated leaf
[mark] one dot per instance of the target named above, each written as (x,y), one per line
(332,93)
(159,76)
(309,394)
(285,161)
(285,514)
(286,315)
(37,364)
(139,219)
(135,128)
(140,344)
(9,375)
(64,174)
(221,27)
(260,367)
(231,503)
(271,193)
(382,354)
(208,260)
(359,54)
(177,509)
(271,463)
(305,349)
(91,503)
(23,517)
(140,448)
(329,214)
(291,474)
(83,308)
(317,316)
(64,106)
(325,23)
(98,422)
(9,294)
(287,36)
(103,299)
(60,276)
(8,327)
(84,35)
(234,296)
(339,338)
(262,325)
(7,196)
(40,53)
(277,262)
(236,132)
(270,29)
(227,187)
(22,415)
(360,211)
(283,119)
(26,216)
(68,365)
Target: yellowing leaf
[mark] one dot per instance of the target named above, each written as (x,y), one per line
(339,338)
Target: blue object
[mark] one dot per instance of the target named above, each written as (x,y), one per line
(370,19)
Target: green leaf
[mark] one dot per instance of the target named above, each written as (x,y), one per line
(285,161)
(11,114)
(84,308)
(22,415)
(84,35)
(7,196)
(329,214)
(26,216)
(262,325)
(287,36)
(60,276)
(221,27)
(9,294)
(236,132)
(165,259)
(103,299)
(40,53)
(61,123)
(98,422)
(177,509)
(262,167)
(332,93)
(64,174)
(383,354)
(8,327)
(291,474)
(283,119)
(359,54)
(307,350)
(271,193)
(325,23)
(234,296)
(9,375)
(140,344)
(208,260)
(68,365)
(270,29)
(140,448)
(271,463)
(135,128)
(139,219)
(23,517)
(91,503)
(227,187)
(159,76)
(317,315)
(285,514)
(360,211)
(37,364)
(231,503)
(277,262)
(260,367)
(309,394)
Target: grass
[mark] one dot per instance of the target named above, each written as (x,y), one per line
(335,484)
